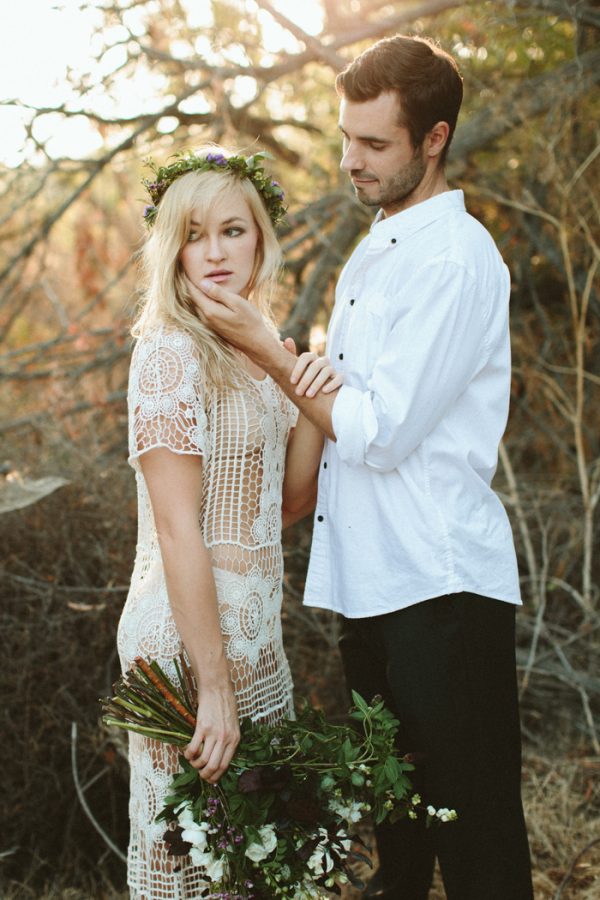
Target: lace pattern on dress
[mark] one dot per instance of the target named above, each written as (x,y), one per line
(241,436)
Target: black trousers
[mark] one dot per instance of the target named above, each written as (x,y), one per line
(446,667)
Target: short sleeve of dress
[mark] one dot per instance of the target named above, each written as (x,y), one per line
(165,397)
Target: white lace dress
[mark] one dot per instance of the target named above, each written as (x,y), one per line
(241,436)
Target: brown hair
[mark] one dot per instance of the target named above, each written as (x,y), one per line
(425,77)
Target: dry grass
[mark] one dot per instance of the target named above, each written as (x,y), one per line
(66,562)
(562,802)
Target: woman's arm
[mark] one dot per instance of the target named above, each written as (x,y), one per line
(304,449)
(175,486)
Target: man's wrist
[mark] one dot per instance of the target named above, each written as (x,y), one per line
(272,358)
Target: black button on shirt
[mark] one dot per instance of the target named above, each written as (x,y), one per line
(341,356)
(319,518)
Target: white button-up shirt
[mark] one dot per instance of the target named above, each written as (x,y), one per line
(405,511)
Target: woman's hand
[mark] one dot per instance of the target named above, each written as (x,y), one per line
(313,373)
(217,733)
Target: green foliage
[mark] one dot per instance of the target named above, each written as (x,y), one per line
(242,167)
(305,780)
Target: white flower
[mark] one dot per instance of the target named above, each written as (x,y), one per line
(195,835)
(213,866)
(192,832)
(320,861)
(431,810)
(446,815)
(257,852)
(352,812)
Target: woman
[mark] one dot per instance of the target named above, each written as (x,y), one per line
(208,439)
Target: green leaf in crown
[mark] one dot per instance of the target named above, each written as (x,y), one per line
(250,167)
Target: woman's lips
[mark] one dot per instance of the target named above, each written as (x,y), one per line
(219,276)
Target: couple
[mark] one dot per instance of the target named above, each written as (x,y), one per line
(229,432)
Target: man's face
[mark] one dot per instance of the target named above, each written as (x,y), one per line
(378,155)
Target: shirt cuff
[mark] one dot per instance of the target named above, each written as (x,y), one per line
(354,424)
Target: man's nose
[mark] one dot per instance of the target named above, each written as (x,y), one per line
(351,158)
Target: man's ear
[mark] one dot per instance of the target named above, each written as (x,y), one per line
(437,139)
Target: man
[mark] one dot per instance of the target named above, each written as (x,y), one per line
(411,546)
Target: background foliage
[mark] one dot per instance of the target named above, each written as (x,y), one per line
(526,155)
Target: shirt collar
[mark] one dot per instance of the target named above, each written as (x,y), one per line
(394,229)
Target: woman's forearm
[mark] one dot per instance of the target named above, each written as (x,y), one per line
(193,599)
(304,451)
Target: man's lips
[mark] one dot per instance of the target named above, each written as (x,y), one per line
(359,180)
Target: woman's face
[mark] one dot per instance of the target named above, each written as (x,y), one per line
(222,248)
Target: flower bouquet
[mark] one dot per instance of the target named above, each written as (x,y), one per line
(279,822)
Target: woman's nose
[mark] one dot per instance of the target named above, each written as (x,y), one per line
(215,248)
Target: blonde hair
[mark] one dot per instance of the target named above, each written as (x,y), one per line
(166,299)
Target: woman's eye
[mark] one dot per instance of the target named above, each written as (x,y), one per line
(234,231)
(193,236)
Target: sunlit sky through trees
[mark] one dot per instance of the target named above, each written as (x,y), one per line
(42,41)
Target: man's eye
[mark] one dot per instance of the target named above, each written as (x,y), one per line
(377,146)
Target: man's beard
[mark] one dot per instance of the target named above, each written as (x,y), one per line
(400,186)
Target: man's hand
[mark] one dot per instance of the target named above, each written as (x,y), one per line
(230,315)
(242,325)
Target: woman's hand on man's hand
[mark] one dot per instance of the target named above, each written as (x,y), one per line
(313,373)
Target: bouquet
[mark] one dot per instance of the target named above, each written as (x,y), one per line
(280,821)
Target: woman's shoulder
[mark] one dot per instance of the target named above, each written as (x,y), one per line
(164,355)
(164,334)
(166,341)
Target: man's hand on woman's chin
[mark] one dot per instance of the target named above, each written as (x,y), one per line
(230,315)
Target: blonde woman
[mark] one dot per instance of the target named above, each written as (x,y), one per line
(219,460)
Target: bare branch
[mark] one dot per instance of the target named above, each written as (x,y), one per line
(529,99)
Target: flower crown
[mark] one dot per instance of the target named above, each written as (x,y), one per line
(249,167)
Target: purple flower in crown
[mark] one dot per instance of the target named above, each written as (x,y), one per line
(216,158)
(148,210)
(279,192)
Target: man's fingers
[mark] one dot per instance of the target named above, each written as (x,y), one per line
(220,294)
(208,292)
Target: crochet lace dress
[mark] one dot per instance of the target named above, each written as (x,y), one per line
(241,436)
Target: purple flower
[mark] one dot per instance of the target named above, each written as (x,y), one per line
(148,209)
(217,158)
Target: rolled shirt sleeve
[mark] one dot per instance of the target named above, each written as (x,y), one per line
(431,353)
